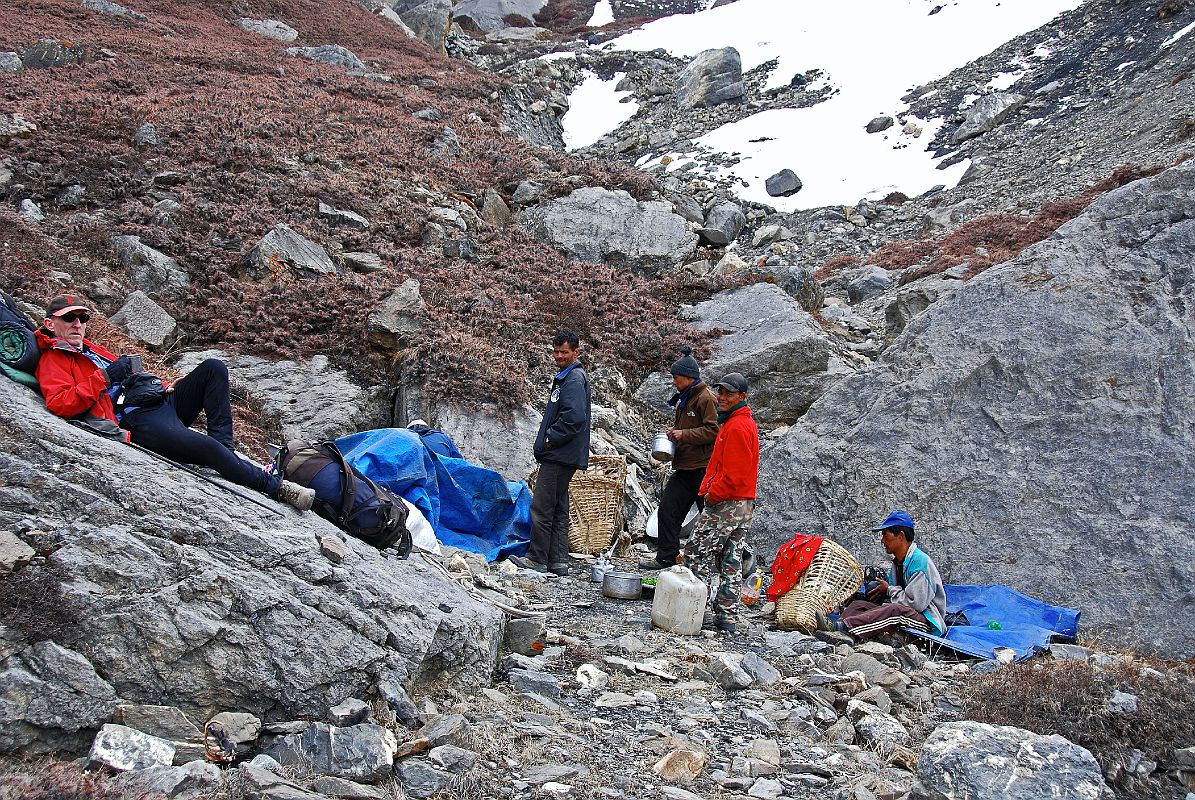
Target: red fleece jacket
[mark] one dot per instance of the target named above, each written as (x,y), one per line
(734,466)
(70,381)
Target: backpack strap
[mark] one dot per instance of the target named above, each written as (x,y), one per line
(301,461)
(348,482)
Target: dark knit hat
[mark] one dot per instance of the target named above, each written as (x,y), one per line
(686,365)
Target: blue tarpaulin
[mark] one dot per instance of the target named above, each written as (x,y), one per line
(1026,625)
(468,506)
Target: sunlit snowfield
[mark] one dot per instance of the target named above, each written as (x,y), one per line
(871,52)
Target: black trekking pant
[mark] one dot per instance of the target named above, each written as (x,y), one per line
(549,514)
(165,429)
(680,492)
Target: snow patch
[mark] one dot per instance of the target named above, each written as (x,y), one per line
(603,14)
(1179,35)
(595,110)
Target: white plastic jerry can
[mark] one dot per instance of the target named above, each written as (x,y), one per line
(679,603)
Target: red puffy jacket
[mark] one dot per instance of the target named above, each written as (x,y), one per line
(70,381)
(734,466)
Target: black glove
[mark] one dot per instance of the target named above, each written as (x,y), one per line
(118,370)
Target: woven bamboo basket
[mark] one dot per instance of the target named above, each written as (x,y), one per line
(830,578)
(594,503)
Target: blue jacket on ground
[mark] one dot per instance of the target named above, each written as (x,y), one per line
(563,436)
(437,441)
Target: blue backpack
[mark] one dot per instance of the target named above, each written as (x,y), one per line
(346,497)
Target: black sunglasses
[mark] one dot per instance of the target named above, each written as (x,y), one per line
(82,316)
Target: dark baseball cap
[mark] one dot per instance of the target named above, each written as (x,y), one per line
(734,381)
(65,303)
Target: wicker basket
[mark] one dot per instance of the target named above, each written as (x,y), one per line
(594,503)
(830,578)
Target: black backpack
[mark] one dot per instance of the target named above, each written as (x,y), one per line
(345,497)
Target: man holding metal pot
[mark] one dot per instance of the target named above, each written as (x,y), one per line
(694,428)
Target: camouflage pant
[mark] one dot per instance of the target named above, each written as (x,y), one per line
(718,541)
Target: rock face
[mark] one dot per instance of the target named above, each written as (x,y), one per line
(488,15)
(611,227)
(785,355)
(712,77)
(486,438)
(988,762)
(313,400)
(988,112)
(991,416)
(157,567)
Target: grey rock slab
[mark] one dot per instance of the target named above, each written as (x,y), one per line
(494,209)
(113,9)
(14,553)
(553,773)
(268,27)
(349,712)
(313,400)
(10,62)
(878,728)
(727,669)
(447,729)
(786,356)
(152,271)
(527,192)
(766,789)
(145,321)
(523,634)
(1070,652)
(122,748)
(611,227)
(871,281)
(217,593)
(880,123)
(146,136)
(420,779)
(331,54)
(783,184)
(688,207)
(398,316)
(363,753)
(192,781)
(997,395)
(542,683)
(1122,703)
(988,112)
(50,698)
(711,78)
(911,300)
(452,758)
(265,784)
(363,262)
(31,211)
(723,224)
(50,53)
(430,22)
(987,762)
(488,437)
(760,669)
(284,249)
(347,790)
(166,722)
(615,700)
(489,15)
(340,216)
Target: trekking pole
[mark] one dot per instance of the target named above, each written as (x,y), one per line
(200,475)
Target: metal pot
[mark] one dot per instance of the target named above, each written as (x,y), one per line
(662,448)
(622,585)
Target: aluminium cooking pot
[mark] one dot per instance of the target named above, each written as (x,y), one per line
(622,585)
(662,448)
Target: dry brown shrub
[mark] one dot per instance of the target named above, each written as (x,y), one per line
(834,265)
(59,780)
(31,600)
(1070,698)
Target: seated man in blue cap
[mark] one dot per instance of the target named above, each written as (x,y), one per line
(912,597)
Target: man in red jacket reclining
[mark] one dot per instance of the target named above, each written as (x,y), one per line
(729,492)
(79,379)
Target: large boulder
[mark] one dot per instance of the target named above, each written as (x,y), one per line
(712,77)
(786,356)
(611,227)
(489,15)
(722,225)
(154,567)
(1035,422)
(990,762)
(486,436)
(283,250)
(146,321)
(428,20)
(988,112)
(313,399)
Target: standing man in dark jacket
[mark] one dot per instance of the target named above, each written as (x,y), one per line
(561,448)
(694,428)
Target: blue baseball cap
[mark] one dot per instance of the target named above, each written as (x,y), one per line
(895,518)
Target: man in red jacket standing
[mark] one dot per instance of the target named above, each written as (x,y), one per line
(729,492)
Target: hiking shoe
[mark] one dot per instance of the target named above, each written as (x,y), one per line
(526,562)
(560,568)
(824,623)
(651,565)
(727,625)
(834,637)
(301,497)
(709,622)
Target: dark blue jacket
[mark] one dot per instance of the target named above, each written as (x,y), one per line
(564,432)
(436,440)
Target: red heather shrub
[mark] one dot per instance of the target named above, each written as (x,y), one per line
(259,138)
(834,265)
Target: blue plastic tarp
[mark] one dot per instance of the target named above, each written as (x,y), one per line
(1026,625)
(469,507)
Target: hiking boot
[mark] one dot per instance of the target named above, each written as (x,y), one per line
(834,637)
(527,562)
(301,497)
(709,622)
(824,623)
(727,625)
(651,565)
(560,568)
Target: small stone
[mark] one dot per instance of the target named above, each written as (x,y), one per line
(881,123)
(728,671)
(238,728)
(758,668)
(429,115)
(420,779)
(540,683)
(616,700)
(10,62)
(527,193)
(447,729)
(347,790)
(681,766)
(766,789)
(522,635)
(1122,703)
(339,216)
(349,712)
(14,553)
(547,773)
(31,211)
(332,548)
(268,27)
(783,183)
(631,645)
(454,759)
(363,262)
(1070,652)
